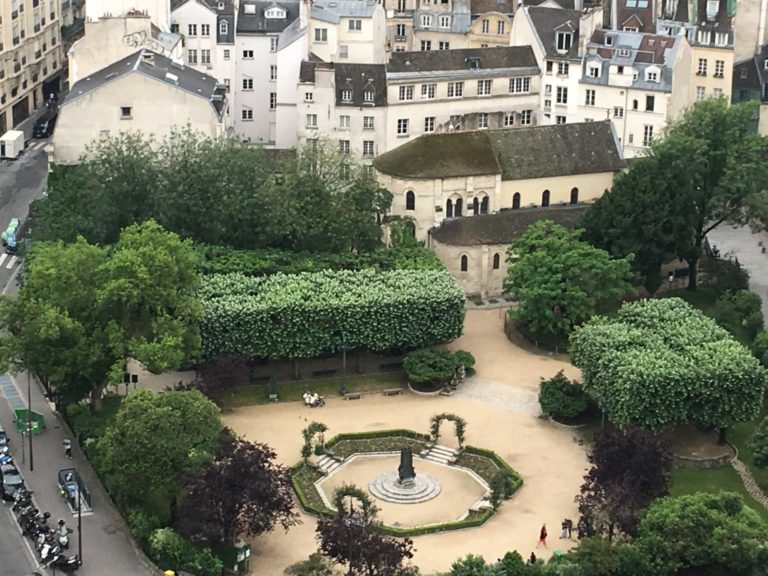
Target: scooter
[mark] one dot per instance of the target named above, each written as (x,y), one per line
(63,534)
(65,564)
(49,553)
(21,499)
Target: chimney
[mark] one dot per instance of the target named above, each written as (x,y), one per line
(305,8)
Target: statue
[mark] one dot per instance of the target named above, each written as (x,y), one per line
(405,470)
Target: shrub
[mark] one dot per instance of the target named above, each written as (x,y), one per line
(464,358)
(760,347)
(315,565)
(559,397)
(731,277)
(759,444)
(142,526)
(433,368)
(171,552)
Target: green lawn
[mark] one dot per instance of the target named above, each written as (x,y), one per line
(292,390)
(740,435)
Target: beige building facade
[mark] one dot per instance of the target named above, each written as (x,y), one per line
(490,29)
(31,57)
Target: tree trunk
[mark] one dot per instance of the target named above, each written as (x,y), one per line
(693,272)
(296,372)
(359,360)
(96,393)
(721,436)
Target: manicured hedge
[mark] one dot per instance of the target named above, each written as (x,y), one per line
(499,461)
(311,314)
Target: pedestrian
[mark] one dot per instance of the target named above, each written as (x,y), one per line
(542,536)
(564,529)
(68,447)
(569,522)
(532,559)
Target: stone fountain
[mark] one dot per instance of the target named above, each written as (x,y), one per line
(404,486)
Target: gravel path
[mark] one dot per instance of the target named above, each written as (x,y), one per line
(504,396)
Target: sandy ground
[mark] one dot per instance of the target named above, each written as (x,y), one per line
(550,462)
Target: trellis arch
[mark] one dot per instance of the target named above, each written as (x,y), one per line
(459,423)
(309,434)
(351,491)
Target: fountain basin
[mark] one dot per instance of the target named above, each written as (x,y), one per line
(388,487)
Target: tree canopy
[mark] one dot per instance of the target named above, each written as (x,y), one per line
(560,280)
(83,310)
(661,361)
(709,168)
(216,191)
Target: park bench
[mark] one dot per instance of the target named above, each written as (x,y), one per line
(321,373)
(352,396)
(393,391)
(391,366)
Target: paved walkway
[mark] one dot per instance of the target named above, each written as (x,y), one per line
(107,544)
(750,484)
(499,394)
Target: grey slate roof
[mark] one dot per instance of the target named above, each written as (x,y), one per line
(547,20)
(461,17)
(228,5)
(333,10)
(446,60)
(516,154)
(504,227)
(359,78)
(257,23)
(157,67)
(756,75)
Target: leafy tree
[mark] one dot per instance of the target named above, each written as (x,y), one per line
(83,310)
(241,490)
(662,361)
(315,565)
(703,533)
(218,375)
(153,440)
(759,444)
(171,551)
(760,347)
(708,169)
(629,469)
(470,565)
(560,280)
(558,396)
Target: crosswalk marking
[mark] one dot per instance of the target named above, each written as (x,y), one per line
(11,262)
(3,257)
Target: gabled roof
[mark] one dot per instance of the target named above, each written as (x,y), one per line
(504,227)
(516,154)
(159,68)
(213,5)
(548,21)
(756,74)
(447,60)
(356,78)
(251,17)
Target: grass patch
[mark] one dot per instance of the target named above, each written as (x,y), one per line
(291,391)
(345,448)
(724,478)
(303,478)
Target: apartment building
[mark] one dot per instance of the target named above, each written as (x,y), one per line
(558,38)
(441,25)
(371,109)
(31,57)
(208,30)
(630,15)
(750,30)
(400,24)
(491,23)
(750,82)
(638,81)
(348,31)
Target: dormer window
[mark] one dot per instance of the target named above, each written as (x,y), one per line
(249,8)
(609,40)
(593,71)
(367,96)
(564,41)
(624,53)
(721,39)
(346,96)
(474,63)
(221,5)
(651,76)
(223,28)
(712,6)
(274,13)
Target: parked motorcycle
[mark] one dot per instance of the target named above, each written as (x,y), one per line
(21,499)
(49,553)
(63,534)
(64,563)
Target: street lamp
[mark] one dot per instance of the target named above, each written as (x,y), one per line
(29,422)
(671,280)
(79,520)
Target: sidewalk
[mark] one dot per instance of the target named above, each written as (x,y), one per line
(107,544)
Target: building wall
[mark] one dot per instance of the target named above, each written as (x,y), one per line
(712,85)
(26,63)
(155,109)
(195,13)
(749,28)
(288,98)
(364,46)
(400,12)
(590,187)
(456,41)
(480,277)
(682,78)
(261,127)
(159,11)
(479,39)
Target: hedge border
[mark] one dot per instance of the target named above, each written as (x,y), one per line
(473,520)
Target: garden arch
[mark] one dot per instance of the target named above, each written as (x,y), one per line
(460,426)
(353,492)
(309,434)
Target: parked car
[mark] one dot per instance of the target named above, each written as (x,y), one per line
(45,124)
(10,232)
(12,480)
(3,437)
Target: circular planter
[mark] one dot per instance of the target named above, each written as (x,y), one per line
(567,426)
(420,393)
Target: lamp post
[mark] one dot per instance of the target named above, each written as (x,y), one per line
(344,369)
(671,280)
(79,521)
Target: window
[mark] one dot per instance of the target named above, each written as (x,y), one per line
(174,28)
(223,28)
(426,45)
(410,200)
(273,40)
(343,121)
(562,68)
(484,87)
(549,67)
(247,54)
(355,25)
(590,99)
(311,120)
(634,104)
(272,100)
(205,56)
(563,41)
(743,94)
(701,93)
(482,120)
(509,119)
(246,114)
(346,95)
(620,69)
(719,68)
(647,135)
(428,91)
(343,51)
(192,56)
(192,30)
(618,112)
(226,54)
(519,85)
(367,122)
(624,53)
(321,34)
(402,127)
(406,93)
(464,263)
(496,261)
(344,146)
(559,119)
(717,92)
(367,96)
(247,83)
(562,95)
(484,205)
(547,89)
(525,117)
(272,72)
(125,111)
(401,5)
(574,195)
(455,89)
(429,124)
(426,21)
(399,31)
(650,102)
(545,198)
(485,26)
(309,97)
(445,22)
(500,27)
(205,30)
(593,72)
(516,201)
(652,77)
(702,70)
(443,45)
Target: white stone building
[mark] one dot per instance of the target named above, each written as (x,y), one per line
(348,31)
